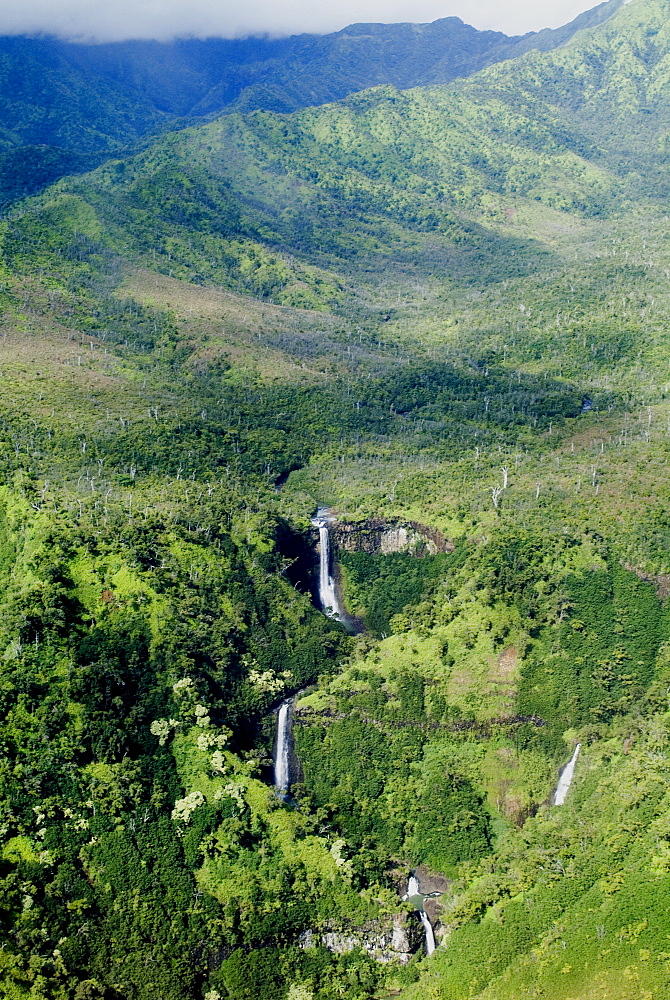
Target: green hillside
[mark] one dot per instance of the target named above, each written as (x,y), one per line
(444,308)
(66,106)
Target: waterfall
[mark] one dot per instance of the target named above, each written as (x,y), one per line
(415,896)
(284,747)
(327,595)
(428,929)
(565,778)
(413,887)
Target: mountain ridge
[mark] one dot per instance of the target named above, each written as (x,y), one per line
(94,100)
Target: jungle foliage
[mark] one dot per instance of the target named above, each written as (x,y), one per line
(65,99)
(444,307)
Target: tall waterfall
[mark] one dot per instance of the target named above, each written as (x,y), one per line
(415,895)
(327,594)
(565,779)
(284,747)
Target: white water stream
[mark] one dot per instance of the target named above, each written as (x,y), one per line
(412,893)
(327,593)
(565,778)
(284,748)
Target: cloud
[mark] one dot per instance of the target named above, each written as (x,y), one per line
(116,20)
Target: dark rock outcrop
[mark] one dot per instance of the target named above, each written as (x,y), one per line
(380,537)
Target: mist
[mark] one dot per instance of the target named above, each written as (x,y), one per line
(91,20)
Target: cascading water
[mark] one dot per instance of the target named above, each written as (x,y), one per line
(565,778)
(428,929)
(284,747)
(327,593)
(413,888)
(415,896)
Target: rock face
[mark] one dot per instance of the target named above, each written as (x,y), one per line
(385,941)
(430,881)
(378,537)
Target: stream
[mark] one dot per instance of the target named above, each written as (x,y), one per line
(284,745)
(331,606)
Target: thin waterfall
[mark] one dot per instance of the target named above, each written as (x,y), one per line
(284,747)
(415,896)
(428,929)
(327,593)
(565,778)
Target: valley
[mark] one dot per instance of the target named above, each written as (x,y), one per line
(335,545)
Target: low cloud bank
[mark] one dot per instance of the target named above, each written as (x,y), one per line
(91,20)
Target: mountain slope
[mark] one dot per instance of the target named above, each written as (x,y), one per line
(94,99)
(611,83)
(192,77)
(417,182)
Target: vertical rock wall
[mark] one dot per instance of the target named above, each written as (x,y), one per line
(379,537)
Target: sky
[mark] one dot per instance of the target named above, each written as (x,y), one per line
(115,20)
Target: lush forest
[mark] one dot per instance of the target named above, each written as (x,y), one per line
(442,309)
(66,106)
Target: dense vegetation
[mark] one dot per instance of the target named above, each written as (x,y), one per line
(62,99)
(444,307)
(383,586)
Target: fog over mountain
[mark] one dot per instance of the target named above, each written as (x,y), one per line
(166,19)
